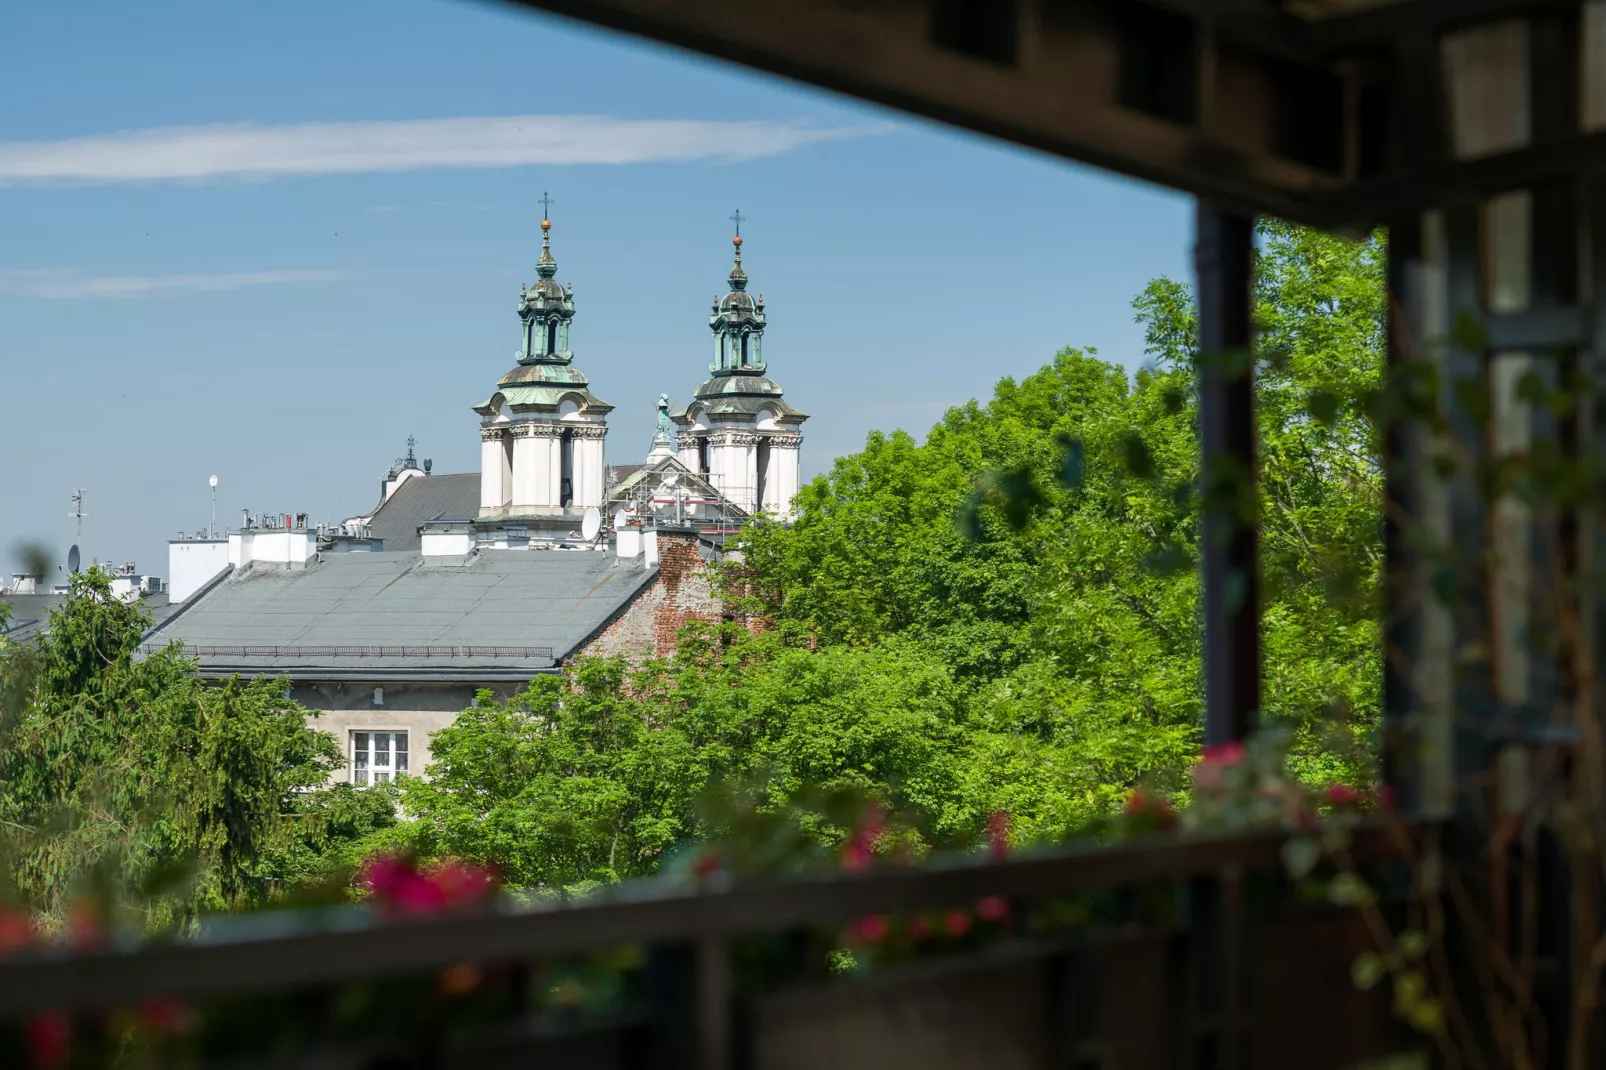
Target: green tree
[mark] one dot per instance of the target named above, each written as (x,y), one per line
(594,777)
(120,771)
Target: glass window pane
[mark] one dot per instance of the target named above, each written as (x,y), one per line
(381,748)
(361,777)
(401,759)
(380,778)
(360,744)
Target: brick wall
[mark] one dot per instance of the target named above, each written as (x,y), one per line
(681,593)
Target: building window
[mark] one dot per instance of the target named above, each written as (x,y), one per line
(377,757)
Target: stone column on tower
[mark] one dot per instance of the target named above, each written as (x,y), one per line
(496,469)
(588,466)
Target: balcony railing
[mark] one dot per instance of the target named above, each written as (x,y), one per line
(1174,953)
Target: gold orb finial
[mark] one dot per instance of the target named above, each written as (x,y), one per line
(546,224)
(737,241)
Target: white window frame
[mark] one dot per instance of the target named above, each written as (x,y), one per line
(367,771)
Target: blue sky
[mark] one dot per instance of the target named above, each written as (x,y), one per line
(272,241)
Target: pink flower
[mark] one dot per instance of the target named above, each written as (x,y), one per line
(918,928)
(400,889)
(1342,795)
(1224,753)
(992,908)
(855,855)
(998,834)
(870,930)
(49,1039)
(160,1014)
(957,922)
(859,850)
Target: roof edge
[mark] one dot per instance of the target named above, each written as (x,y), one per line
(183,607)
(649,576)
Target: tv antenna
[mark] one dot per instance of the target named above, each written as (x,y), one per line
(211,529)
(78,513)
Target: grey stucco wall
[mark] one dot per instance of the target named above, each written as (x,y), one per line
(415,708)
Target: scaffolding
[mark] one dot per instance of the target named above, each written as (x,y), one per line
(673,498)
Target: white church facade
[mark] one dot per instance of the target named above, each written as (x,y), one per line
(738,432)
(391,622)
(729,454)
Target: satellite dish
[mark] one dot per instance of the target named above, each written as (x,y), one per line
(72,559)
(591,524)
(620,519)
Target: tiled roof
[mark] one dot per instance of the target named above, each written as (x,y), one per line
(420,499)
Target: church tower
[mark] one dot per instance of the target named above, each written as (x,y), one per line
(738,432)
(542,432)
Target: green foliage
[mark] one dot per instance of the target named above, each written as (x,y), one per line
(1004,617)
(594,776)
(127,779)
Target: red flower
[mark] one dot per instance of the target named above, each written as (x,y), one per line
(1141,802)
(998,834)
(957,922)
(992,908)
(870,930)
(459,980)
(461,884)
(708,864)
(16,930)
(163,1015)
(918,928)
(49,1041)
(83,925)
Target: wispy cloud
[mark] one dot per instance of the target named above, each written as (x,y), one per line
(193,153)
(65,283)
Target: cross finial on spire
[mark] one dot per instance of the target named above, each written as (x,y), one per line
(546,205)
(737,219)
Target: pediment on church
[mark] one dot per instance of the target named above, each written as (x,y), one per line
(667,483)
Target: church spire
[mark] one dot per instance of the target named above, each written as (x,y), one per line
(546,308)
(738,277)
(738,322)
(546,267)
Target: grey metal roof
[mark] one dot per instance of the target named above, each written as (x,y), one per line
(419,499)
(30,613)
(498,614)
